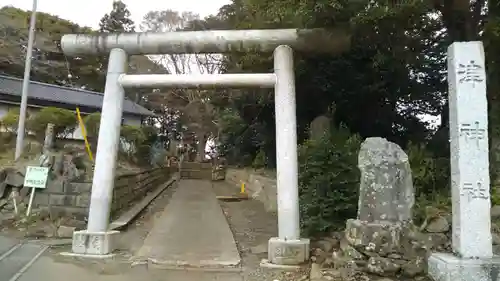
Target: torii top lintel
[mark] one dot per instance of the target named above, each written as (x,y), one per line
(209,41)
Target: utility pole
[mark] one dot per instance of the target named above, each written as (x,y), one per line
(26,82)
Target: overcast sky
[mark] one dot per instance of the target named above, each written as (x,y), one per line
(89,12)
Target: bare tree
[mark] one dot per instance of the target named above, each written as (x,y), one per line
(197,113)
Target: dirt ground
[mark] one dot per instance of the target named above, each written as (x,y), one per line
(252,227)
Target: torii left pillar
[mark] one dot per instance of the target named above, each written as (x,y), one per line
(97,240)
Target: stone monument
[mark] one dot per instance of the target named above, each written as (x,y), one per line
(472,259)
(386,190)
(383,241)
(320,127)
(50,137)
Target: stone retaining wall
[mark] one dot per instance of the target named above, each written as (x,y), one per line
(259,187)
(133,186)
(74,197)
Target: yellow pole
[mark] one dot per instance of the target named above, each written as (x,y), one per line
(84,134)
(242,187)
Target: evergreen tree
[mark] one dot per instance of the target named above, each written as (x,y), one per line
(118,20)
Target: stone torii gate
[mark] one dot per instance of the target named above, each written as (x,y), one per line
(286,249)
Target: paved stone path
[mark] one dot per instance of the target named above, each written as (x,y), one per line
(16,257)
(191,231)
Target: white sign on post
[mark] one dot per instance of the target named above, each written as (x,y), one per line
(469,150)
(36,177)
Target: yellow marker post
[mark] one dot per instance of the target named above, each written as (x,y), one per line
(242,187)
(84,134)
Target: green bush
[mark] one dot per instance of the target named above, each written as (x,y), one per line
(150,133)
(328,181)
(139,138)
(64,122)
(92,122)
(260,160)
(10,121)
(142,154)
(132,135)
(430,174)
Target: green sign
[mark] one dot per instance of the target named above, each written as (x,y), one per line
(36,177)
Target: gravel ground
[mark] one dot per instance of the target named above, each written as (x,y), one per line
(252,227)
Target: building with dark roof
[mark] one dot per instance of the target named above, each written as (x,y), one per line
(47,95)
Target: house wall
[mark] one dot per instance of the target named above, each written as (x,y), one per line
(3,110)
(127,119)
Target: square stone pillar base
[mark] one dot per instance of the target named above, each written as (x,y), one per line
(93,244)
(447,267)
(288,252)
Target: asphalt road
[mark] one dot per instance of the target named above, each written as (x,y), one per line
(16,257)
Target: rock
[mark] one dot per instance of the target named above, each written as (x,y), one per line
(332,274)
(438,225)
(70,171)
(386,189)
(414,267)
(320,255)
(382,266)
(337,235)
(259,249)
(496,249)
(436,240)
(320,127)
(327,244)
(3,185)
(327,263)
(350,251)
(3,202)
(495,238)
(315,274)
(65,231)
(495,212)
(43,231)
(41,214)
(57,168)
(376,238)
(14,178)
(8,218)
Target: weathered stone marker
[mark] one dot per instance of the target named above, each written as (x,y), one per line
(386,190)
(383,241)
(470,181)
(48,143)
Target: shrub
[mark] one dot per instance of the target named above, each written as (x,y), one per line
(132,135)
(135,140)
(10,121)
(328,181)
(260,160)
(92,122)
(64,122)
(430,174)
(150,133)
(430,179)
